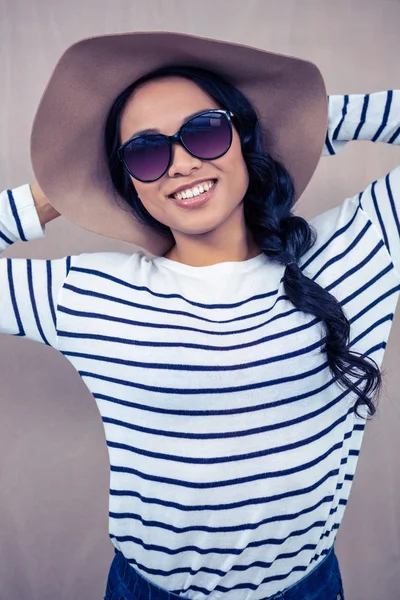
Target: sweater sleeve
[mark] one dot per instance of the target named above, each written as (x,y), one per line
(374,117)
(29,288)
(370,117)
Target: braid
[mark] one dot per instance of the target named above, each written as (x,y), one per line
(285,237)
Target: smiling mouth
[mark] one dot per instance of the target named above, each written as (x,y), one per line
(172,196)
(196,201)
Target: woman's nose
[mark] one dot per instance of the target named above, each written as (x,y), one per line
(182,162)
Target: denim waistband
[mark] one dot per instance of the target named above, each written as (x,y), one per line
(323,579)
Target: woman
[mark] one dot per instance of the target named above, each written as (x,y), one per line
(235,372)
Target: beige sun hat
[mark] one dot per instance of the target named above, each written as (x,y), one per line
(67,138)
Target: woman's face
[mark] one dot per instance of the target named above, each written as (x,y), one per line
(164,105)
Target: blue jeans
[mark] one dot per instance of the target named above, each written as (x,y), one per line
(324,582)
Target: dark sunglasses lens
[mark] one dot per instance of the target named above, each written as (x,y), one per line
(147,157)
(208,136)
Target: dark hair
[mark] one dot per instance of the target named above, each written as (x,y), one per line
(281,235)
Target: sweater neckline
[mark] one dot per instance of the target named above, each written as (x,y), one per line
(238,267)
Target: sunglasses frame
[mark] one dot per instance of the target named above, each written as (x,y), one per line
(177,137)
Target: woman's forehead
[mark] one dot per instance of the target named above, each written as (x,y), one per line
(163,105)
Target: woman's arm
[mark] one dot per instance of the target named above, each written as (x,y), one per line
(29,288)
(374,117)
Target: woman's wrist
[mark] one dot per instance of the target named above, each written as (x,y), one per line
(46,212)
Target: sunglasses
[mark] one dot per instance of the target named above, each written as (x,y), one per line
(207,135)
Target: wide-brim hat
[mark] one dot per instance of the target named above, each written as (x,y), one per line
(67,138)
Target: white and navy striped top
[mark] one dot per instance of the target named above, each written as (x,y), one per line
(232,448)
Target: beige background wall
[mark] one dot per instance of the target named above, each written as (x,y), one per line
(53,459)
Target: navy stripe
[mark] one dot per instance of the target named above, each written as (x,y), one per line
(378,213)
(202,485)
(344,112)
(231,411)
(363,117)
(385,116)
(142,323)
(33,301)
(192,367)
(5,238)
(116,300)
(49,292)
(16,216)
(394,136)
(206,528)
(107,276)
(235,457)
(158,344)
(231,529)
(328,144)
(232,505)
(203,391)
(229,434)
(13,298)
(393,205)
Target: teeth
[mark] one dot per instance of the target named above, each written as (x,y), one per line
(196,191)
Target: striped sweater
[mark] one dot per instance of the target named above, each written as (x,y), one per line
(232,448)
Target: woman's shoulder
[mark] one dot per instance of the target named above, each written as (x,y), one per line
(112,263)
(107,259)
